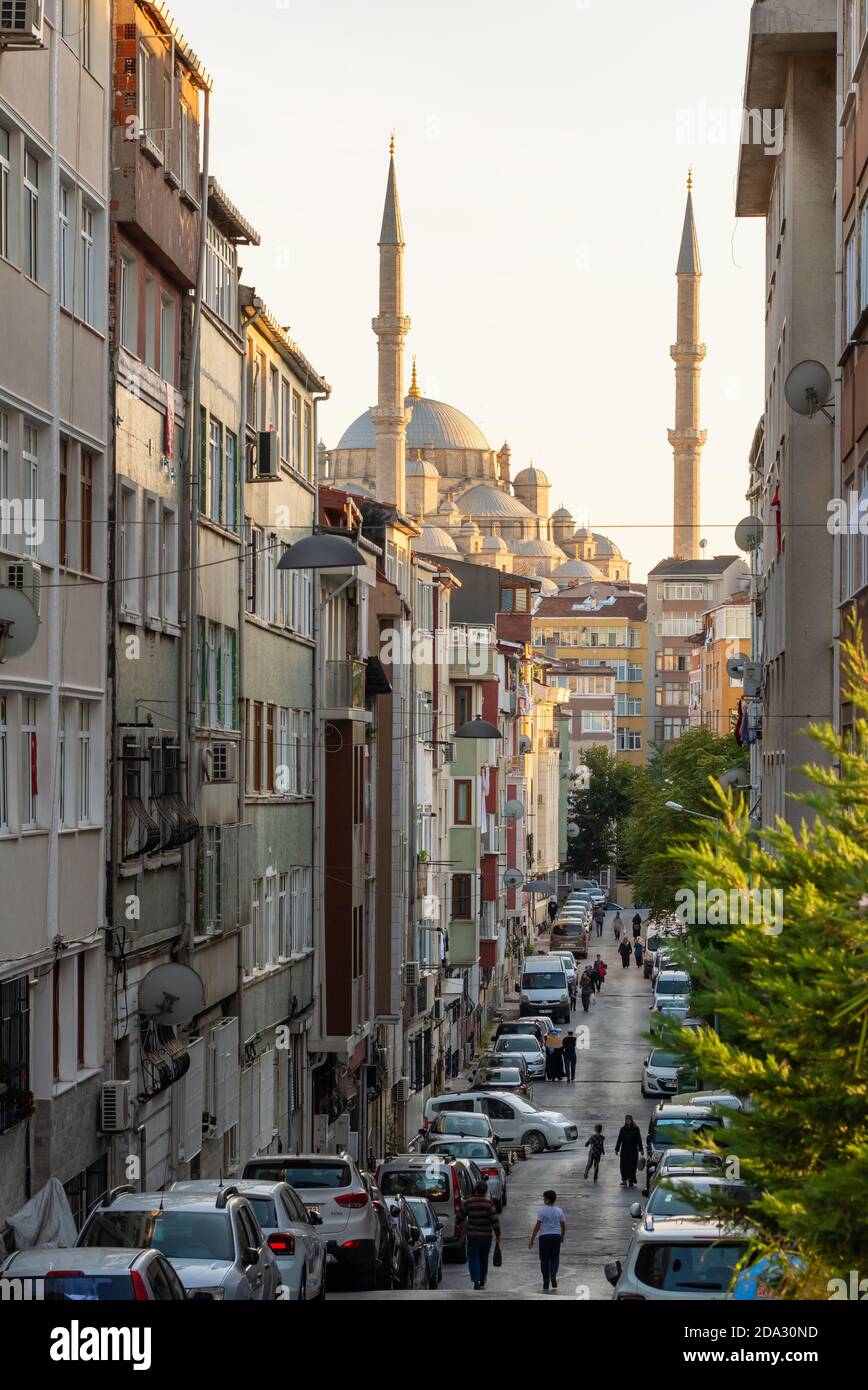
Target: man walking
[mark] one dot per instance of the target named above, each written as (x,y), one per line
(629,1146)
(553,909)
(617,926)
(639,952)
(637,926)
(599,918)
(551,1227)
(586,988)
(624,952)
(482,1224)
(568,1048)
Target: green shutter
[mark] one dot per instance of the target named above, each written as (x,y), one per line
(203,460)
(233,643)
(201,882)
(216,717)
(203,669)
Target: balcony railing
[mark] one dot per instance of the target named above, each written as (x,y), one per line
(345,684)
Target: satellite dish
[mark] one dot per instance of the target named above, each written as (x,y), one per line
(513,878)
(513,810)
(19,623)
(733,777)
(702,544)
(171,995)
(735,666)
(524,744)
(749,533)
(808,388)
(573,831)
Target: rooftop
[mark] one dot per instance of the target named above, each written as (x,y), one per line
(717,564)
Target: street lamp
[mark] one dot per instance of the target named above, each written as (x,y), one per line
(477,728)
(700,815)
(321,552)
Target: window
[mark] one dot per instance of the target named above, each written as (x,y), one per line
(63,504)
(261,392)
(463,705)
(83,763)
(31,216)
(4,192)
(88,264)
(15,1051)
(273,397)
(678,590)
(127,303)
(296,432)
(65,249)
(670,729)
(85,559)
(284,419)
(671,694)
(169,564)
(231,517)
(676,627)
(145,98)
(628,706)
(462,801)
(150,321)
(863,242)
(129,552)
(30,464)
(628,741)
(671,660)
(189,153)
(216,469)
(210,880)
(152,557)
(306,447)
(4,769)
(513,600)
(462,888)
(850,308)
(594,722)
(221,276)
(29,765)
(167,338)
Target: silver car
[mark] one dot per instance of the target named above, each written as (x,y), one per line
(680,1259)
(290,1229)
(214,1243)
(522,1045)
(96,1276)
(484,1155)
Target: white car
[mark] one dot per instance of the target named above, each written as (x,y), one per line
(513,1119)
(569,961)
(677,1196)
(672,986)
(678,1259)
(661,1070)
(522,1045)
(718,1100)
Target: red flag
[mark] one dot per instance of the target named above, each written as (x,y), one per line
(34,789)
(775,505)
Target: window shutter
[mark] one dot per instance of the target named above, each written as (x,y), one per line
(203,461)
(191,1098)
(228,1075)
(266,1098)
(250,1093)
(229,877)
(244,883)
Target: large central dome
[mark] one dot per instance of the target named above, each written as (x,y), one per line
(431,422)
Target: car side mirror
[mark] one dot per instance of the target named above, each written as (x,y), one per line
(612,1271)
(250,1255)
(314,1218)
(635,1209)
(647,1060)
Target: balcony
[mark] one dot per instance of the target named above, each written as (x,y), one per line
(344,688)
(472,653)
(463,942)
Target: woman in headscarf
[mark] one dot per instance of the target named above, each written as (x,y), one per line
(629,1146)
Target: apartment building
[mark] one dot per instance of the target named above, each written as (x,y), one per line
(611,630)
(55,95)
(791,72)
(715,694)
(679,593)
(590,709)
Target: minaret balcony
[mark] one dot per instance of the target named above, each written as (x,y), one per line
(687,436)
(694,351)
(391,323)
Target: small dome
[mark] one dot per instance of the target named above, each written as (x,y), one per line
(562,514)
(495,543)
(420,468)
(448,509)
(548,549)
(485,500)
(357,490)
(583,533)
(548,587)
(533,477)
(577,569)
(605,546)
(469,526)
(436,541)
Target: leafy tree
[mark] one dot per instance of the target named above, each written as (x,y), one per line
(682,774)
(598,810)
(791,1000)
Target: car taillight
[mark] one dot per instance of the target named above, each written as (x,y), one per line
(377,1205)
(282,1243)
(66,1274)
(489,1172)
(353,1200)
(139,1289)
(458,1209)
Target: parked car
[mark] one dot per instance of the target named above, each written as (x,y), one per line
(525,1046)
(718,1100)
(662,1072)
(675,1126)
(490,1058)
(591,886)
(688,1163)
(678,1013)
(671,986)
(515,1121)
(458,1119)
(385,1228)
(679,1259)
(483,1152)
(493,1077)
(447,1184)
(544,989)
(291,1230)
(101,1275)
(571,935)
(569,961)
(677,1196)
(432,1234)
(538,1026)
(331,1186)
(409,1254)
(214,1242)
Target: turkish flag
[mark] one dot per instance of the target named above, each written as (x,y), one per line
(775,505)
(34,789)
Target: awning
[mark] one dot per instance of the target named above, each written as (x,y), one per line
(376,680)
(540,885)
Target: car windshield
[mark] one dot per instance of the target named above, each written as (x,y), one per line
(679,986)
(465,1149)
(422,1212)
(518,1042)
(543,979)
(300,1172)
(698,1158)
(659,1058)
(429,1182)
(673,1133)
(450,1122)
(180,1234)
(681,1199)
(507,1075)
(265,1211)
(690,1267)
(87,1288)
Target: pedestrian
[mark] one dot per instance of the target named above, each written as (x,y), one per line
(599,918)
(597,1147)
(554,1063)
(598,972)
(568,1048)
(624,952)
(637,926)
(482,1223)
(553,909)
(574,994)
(586,988)
(639,952)
(617,925)
(629,1146)
(551,1227)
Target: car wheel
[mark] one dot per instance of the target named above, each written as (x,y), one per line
(534,1141)
(503,1200)
(644,1093)
(320,1298)
(302,1289)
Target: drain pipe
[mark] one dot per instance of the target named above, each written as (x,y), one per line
(248,301)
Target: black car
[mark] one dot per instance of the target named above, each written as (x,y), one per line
(385,1239)
(409,1247)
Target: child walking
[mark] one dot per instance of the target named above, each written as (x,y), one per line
(596,1146)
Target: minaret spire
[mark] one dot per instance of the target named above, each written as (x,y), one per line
(414,383)
(687,438)
(391,326)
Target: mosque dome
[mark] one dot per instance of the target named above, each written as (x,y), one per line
(606,547)
(432,424)
(538,549)
(531,477)
(548,587)
(448,510)
(485,500)
(562,514)
(496,543)
(434,540)
(420,468)
(577,569)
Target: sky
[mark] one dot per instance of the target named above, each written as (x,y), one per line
(542,155)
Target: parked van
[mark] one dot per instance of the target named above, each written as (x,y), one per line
(544,988)
(515,1120)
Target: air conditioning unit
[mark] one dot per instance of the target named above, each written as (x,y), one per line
(411,973)
(401,1090)
(20,23)
(23,575)
(220,762)
(114,1107)
(448,752)
(267,454)
(429,981)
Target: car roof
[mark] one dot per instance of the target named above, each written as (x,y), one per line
(673,974)
(688,1228)
(416,1160)
(442,1139)
(691,1153)
(86,1258)
(153,1201)
(301,1158)
(682,1112)
(247,1187)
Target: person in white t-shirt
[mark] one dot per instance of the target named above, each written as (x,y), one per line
(551,1227)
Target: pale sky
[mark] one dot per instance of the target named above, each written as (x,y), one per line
(542,153)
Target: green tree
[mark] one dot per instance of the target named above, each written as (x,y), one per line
(598,810)
(790,996)
(681,773)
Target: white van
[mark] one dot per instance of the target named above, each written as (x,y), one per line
(513,1119)
(544,988)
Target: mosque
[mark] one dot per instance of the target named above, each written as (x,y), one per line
(434,464)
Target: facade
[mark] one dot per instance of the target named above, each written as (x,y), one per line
(591,708)
(679,593)
(791,70)
(54,481)
(611,630)
(715,695)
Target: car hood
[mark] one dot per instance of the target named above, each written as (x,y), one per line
(552,1117)
(200,1274)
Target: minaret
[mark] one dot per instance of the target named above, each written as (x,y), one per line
(687,439)
(391,327)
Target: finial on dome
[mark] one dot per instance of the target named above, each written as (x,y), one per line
(690,178)
(392,143)
(414,383)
